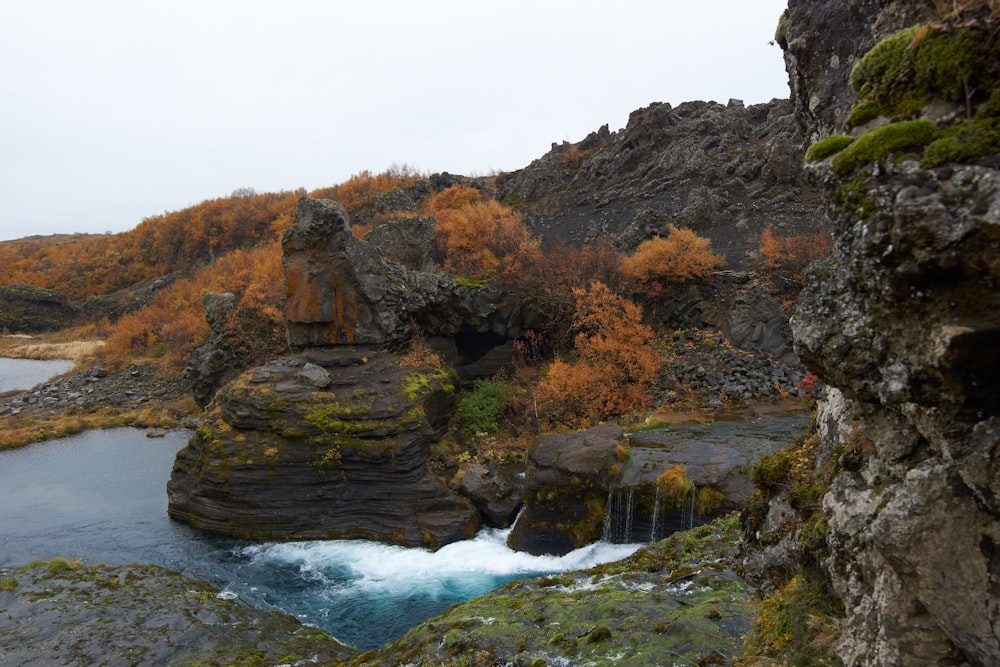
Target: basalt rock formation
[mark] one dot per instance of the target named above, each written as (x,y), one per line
(903,324)
(725,171)
(602,484)
(345,291)
(330,443)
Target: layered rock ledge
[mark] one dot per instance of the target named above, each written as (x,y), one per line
(326,444)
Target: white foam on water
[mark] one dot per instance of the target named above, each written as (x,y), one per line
(470,567)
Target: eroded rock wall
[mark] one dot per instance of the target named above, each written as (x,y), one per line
(903,324)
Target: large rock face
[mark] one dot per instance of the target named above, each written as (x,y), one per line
(30,309)
(725,171)
(345,291)
(903,322)
(322,445)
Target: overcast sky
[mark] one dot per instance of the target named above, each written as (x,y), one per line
(115,110)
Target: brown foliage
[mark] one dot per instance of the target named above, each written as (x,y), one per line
(614,365)
(173,325)
(786,257)
(546,286)
(357,191)
(479,238)
(658,262)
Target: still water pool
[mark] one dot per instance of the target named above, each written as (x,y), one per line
(23,374)
(101,496)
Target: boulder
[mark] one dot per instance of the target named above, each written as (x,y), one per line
(325,444)
(494,493)
(566,487)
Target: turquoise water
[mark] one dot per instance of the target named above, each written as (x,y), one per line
(101,496)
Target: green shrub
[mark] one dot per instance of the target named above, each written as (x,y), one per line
(879,143)
(481,410)
(828,146)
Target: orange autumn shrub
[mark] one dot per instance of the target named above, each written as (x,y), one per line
(479,238)
(173,324)
(613,365)
(786,257)
(659,262)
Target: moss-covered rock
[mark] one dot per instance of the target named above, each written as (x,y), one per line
(881,142)
(66,613)
(323,445)
(828,146)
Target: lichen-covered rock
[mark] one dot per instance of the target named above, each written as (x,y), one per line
(67,613)
(345,291)
(326,444)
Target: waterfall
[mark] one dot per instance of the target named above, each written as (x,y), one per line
(656,515)
(627,534)
(619,513)
(609,510)
(687,512)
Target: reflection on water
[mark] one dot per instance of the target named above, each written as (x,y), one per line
(23,374)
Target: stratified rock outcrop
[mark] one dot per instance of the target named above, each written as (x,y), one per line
(345,291)
(903,323)
(322,445)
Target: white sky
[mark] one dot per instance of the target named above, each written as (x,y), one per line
(115,110)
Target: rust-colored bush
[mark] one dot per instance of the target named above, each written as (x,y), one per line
(659,262)
(613,364)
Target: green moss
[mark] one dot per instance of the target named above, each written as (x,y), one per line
(481,410)
(8,584)
(772,470)
(781,31)
(866,111)
(966,142)
(907,70)
(791,623)
(828,146)
(417,385)
(881,142)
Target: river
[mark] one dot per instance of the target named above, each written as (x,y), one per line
(100,496)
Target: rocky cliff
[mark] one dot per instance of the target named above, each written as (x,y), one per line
(725,171)
(903,324)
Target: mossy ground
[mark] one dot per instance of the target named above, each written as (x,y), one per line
(65,612)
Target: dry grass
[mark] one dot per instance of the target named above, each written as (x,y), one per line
(27,347)
(22,430)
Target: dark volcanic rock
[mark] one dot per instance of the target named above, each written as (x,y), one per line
(345,291)
(30,309)
(215,361)
(323,445)
(495,495)
(725,171)
(566,488)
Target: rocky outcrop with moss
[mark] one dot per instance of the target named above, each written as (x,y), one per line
(345,291)
(602,484)
(675,602)
(29,309)
(321,445)
(64,613)
(903,324)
